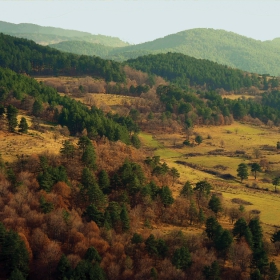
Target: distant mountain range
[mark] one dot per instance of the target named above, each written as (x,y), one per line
(220,46)
(50,35)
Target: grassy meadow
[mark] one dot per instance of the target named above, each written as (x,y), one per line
(34,142)
(235,137)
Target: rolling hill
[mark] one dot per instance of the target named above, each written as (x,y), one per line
(50,35)
(219,46)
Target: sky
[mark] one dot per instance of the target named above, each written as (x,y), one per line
(138,21)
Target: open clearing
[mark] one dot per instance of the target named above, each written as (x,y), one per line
(235,137)
(34,142)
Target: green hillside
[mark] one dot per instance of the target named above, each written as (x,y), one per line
(188,71)
(221,46)
(50,35)
(83,48)
(24,56)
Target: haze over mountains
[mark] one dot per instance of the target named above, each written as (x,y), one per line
(50,35)
(219,46)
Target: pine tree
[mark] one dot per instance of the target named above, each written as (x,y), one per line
(276,182)
(212,272)
(187,190)
(98,273)
(12,117)
(37,108)
(2,163)
(92,255)
(154,273)
(162,248)
(2,110)
(96,196)
(260,259)
(151,245)
(215,204)
(135,141)
(275,237)
(182,258)
(68,149)
(212,228)
(16,275)
(23,126)
(91,189)
(273,272)
(202,189)
(104,181)
(201,216)
(242,171)
(14,253)
(88,178)
(175,174)
(223,242)
(2,233)
(192,213)
(136,238)
(89,157)
(166,196)
(125,219)
(83,142)
(255,275)
(241,229)
(63,269)
(95,215)
(114,210)
(255,168)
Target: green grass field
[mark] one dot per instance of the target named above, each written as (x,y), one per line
(235,137)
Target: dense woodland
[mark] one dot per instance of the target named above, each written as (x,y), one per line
(210,108)
(92,211)
(24,56)
(45,102)
(187,71)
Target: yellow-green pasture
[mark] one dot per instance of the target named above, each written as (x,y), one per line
(228,139)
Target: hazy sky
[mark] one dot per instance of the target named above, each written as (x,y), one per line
(137,21)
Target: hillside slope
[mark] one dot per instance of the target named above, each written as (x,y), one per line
(24,56)
(49,35)
(219,46)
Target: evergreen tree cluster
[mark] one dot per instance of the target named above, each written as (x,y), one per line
(252,232)
(25,56)
(14,257)
(87,268)
(73,114)
(188,71)
(209,106)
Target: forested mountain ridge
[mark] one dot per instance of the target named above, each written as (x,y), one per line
(25,56)
(188,71)
(48,35)
(220,46)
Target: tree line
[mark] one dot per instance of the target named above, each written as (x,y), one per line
(63,110)
(186,71)
(25,56)
(210,108)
